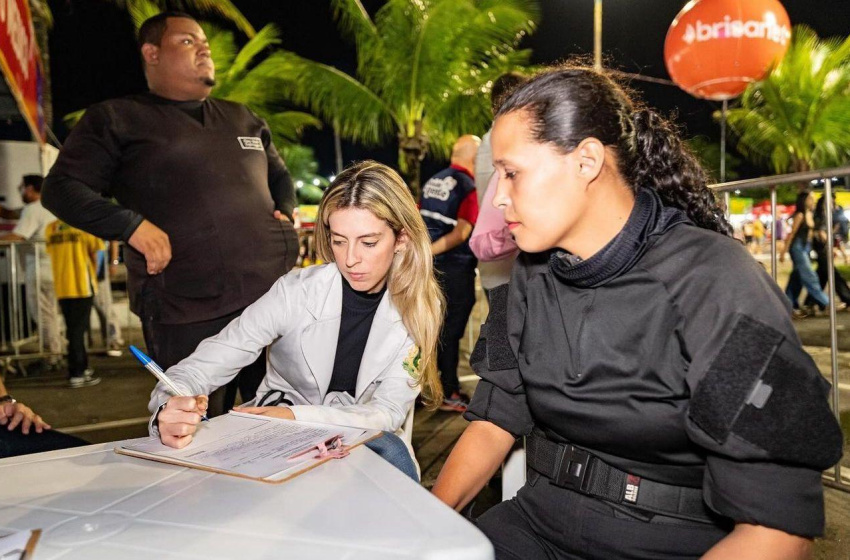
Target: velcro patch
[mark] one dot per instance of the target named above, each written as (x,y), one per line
(499,353)
(767,391)
(732,376)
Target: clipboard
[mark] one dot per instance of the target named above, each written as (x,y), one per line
(269,450)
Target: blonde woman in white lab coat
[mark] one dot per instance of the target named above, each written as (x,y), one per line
(316,321)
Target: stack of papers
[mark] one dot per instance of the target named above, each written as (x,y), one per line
(251,446)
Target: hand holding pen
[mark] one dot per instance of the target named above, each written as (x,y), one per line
(178,420)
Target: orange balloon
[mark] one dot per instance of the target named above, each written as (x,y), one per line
(714,48)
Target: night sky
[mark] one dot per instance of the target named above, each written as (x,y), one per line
(93,54)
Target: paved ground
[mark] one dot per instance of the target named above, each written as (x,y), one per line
(116,409)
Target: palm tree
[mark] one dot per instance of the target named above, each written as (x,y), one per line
(424,71)
(798,117)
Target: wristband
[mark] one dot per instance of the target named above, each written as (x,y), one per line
(7,399)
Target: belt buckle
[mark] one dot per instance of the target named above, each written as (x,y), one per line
(572,469)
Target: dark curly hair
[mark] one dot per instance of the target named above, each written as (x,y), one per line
(571,103)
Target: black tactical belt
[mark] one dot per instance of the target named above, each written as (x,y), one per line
(570,467)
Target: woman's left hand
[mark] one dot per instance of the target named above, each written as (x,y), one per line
(274,411)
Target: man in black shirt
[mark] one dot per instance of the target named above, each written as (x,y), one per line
(199,187)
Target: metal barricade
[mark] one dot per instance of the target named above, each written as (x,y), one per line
(20,326)
(827,176)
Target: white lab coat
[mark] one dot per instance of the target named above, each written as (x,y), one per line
(299,320)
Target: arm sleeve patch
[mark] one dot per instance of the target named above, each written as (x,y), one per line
(766,390)
(498,348)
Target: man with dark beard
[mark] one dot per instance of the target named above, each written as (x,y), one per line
(201,197)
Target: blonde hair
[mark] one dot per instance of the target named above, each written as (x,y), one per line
(411,283)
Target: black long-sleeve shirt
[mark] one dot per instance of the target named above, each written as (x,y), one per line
(212,184)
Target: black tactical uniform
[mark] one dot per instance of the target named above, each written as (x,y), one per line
(664,394)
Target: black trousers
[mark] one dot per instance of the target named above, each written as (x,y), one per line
(76,312)
(168,344)
(546,522)
(459,288)
(16,443)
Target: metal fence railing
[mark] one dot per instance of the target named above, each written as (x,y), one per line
(20,322)
(827,177)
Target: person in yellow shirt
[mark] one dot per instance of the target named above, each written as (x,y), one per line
(73,255)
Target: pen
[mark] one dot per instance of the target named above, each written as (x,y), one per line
(152,367)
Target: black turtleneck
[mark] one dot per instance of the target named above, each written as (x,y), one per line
(358,311)
(194,109)
(648,217)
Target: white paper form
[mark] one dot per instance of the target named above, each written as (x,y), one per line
(251,445)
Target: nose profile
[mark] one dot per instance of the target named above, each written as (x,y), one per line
(352,256)
(500,198)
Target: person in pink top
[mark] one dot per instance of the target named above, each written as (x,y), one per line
(491,239)
(491,242)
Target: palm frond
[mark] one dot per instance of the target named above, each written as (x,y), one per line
(356,112)
(300,159)
(354,21)
(222,8)
(290,125)
(434,49)
(140,10)
(223,48)
(71,119)
(268,36)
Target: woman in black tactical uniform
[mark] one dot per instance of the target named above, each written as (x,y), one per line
(668,408)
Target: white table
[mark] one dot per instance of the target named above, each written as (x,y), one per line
(95,504)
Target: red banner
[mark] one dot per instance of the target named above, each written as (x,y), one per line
(20,61)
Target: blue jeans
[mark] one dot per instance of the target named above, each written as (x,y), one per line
(803,276)
(392,449)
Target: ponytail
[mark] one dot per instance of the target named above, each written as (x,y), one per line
(661,161)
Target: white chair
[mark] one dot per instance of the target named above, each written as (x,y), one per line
(513,472)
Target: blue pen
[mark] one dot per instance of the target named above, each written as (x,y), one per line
(152,367)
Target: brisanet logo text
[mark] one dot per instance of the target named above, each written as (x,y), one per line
(730,28)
